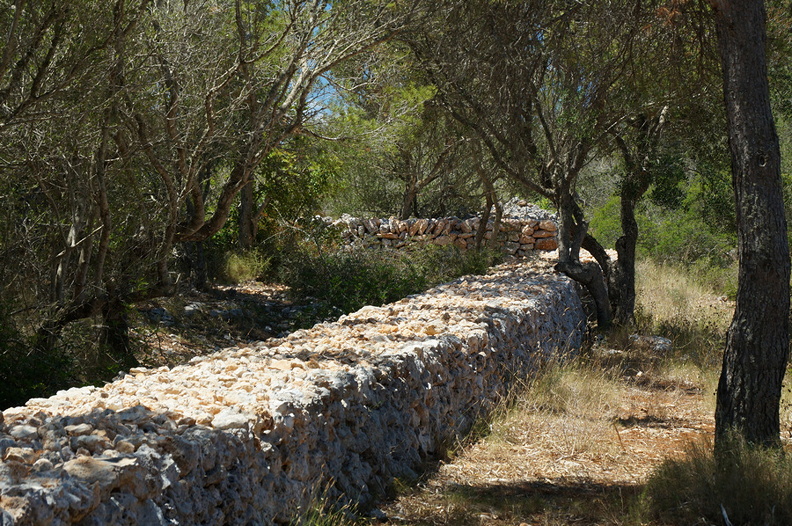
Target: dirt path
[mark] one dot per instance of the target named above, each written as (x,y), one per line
(544,468)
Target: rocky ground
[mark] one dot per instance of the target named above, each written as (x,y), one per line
(171,331)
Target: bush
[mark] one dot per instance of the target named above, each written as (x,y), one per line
(239,267)
(682,237)
(753,485)
(349,279)
(27,373)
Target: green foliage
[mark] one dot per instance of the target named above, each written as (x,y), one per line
(715,196)
(350,279)
(289,184)
(25,372)
(669,174)
(752,484)
(605,222)
(685,222)
(295,177)
(397,139)
(682,237)
(239,267)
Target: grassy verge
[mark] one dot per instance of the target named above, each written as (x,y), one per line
(746,485)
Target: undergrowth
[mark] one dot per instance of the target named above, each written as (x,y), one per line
(239,267)
(349,279)
(748,485)
(673,303)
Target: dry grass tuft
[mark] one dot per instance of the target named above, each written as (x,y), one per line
(750,485)
(673,304)
(567,409)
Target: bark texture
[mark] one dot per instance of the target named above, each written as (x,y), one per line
(758,340)
(572,233)
(636,182)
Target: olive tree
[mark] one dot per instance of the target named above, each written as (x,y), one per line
(551,86)
(128,127)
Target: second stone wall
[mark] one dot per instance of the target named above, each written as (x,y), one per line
(516,236)
(251,435)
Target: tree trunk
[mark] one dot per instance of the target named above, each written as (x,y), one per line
(482,226)
(636,181)
(410,199)
(572,232)
(247,217)
(115,334)
(621,279)
(757,345)
(196,259)
(492,243)
(491,198)
(621,289)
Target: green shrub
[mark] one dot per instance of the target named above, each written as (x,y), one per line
(239,267)
(349,279)
(682,237)
(441,264)
(605,222)
(26,372)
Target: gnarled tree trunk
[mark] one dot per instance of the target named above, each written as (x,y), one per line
(637,179)
(572,231)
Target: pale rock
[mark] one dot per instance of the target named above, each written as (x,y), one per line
(23,432)
(229,419)
(20,454)
(79,429)
(42,465)
(656,344)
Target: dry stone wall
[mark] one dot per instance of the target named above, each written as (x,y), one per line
(517,237)
(249,435)
(525,229)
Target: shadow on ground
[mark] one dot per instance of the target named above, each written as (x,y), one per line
(547,502)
